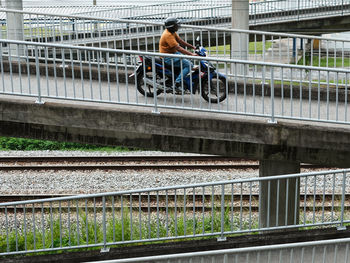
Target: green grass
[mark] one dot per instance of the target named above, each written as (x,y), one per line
(21,144)
(179,226)
(258,46)
(297,84)
(322,62)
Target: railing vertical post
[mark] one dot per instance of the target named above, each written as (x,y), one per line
(154,86)
(272,87)
(39,101)
(7,231)
(342,227)
(105,248)
(298,9)
(222,238)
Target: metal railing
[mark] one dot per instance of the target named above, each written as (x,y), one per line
(219,11)
(129,12)
(260,89)
(175,212)
(295,10)
(221,43)
(334,250)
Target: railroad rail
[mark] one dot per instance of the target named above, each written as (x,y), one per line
(138,163)
(134,158)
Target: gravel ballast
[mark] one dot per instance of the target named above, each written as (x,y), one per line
(99,181)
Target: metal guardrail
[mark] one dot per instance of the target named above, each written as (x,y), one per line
(186,211)
(128,12)
(260,89)
(262,12)
(296,10)
(144,36)
(218,11)
(335,250)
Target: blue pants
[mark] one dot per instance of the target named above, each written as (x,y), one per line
(186,66)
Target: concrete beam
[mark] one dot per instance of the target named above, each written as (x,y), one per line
(240,20)
(312,26)
(279,199)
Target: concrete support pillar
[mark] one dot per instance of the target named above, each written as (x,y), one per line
(279,199)
(240,20)
(15,25)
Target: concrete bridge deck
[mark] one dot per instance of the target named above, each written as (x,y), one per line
(175,131)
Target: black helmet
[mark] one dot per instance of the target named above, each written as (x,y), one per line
(171,22)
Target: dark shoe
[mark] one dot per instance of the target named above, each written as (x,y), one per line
(178,88)
(174,89)
(166,89)
(179,91)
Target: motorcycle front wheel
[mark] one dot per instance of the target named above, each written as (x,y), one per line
(214,90)
(144,87)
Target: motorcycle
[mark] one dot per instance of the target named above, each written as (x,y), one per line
(204,79)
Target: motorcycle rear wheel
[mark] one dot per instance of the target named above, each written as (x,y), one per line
(146,89)
(216,91)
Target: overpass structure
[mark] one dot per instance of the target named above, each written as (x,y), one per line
(279,113)
(86,28)
(65,109)
(262,14)
(144,36)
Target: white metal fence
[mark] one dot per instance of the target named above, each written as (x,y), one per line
(176,212)
(214,10)
(144,36)
(248,88)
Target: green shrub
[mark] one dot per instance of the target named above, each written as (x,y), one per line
(20,144)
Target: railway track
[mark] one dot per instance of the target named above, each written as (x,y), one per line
(190,162)
(130,163)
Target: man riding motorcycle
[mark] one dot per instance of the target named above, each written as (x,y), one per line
(171,43)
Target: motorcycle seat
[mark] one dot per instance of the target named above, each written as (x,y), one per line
(159,61)
(156,60)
